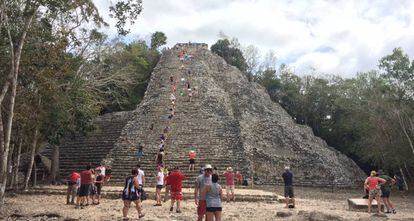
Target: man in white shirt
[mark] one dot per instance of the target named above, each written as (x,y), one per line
(141,176)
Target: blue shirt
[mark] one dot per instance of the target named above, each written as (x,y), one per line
(288,178)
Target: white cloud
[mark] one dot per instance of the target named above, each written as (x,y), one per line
(356,32)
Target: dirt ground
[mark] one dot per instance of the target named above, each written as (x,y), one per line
(312,204)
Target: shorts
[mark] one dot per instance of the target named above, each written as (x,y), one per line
(132,197)
(159,187)
(289,192)
(374,192)
(176,195)
(385,193)
(92,190)
(202,208)
(229,188)
(214,209)
(192,161)
(98,188)
(84,190)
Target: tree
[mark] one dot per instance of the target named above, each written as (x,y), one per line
(252,55)
(17,18)
(158,39)
(231,55)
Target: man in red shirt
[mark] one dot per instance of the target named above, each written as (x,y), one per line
(229,183)
(191,156)
(85,187)
(73,184)
(175,179)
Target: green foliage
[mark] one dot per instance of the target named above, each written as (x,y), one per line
(369,117)
(231,55)
(158,39)
(124,11)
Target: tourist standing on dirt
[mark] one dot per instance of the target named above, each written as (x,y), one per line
(131,193)
(288,180)
(373,184)
(229,184)
(158,188)
(386,191)
(213,195)
(201,181)
(141,177)
(73,185)
(167,184)
(99,183)
(239,178)
(175,179)
(400,183)
(85,187)
(108,174)
(191,157)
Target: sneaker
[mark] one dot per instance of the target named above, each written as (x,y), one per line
(388,211)
(178,211)
(77,207)
(394,212)
(140,216)
(171,209)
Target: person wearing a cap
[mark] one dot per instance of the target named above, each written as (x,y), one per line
(201,181)
(229,184)
(288,180)
(386,191)
(191,156)
(373,183)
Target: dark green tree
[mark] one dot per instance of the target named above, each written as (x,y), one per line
(231,55)
(158,39)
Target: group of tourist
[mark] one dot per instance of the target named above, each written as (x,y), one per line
(378,186)
(86,187)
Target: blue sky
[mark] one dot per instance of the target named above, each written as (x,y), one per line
(330,36)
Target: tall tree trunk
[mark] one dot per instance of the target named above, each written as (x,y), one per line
(54,173)
(3,156)
(32,156)
(16,53)
(15,176)
(408,171)
(404,178)
(10,162)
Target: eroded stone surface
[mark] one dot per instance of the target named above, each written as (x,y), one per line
(230,122)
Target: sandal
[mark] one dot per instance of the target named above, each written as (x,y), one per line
(178,211)
(140,216)
(171,209)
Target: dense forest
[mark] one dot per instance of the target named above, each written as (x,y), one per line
(59,71)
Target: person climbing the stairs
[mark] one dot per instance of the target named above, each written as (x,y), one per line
(191,157)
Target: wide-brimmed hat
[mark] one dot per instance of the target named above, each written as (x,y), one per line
(192,151)
(229,169)
(287,168)
(208,166)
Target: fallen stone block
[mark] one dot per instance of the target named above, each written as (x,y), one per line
(362,205)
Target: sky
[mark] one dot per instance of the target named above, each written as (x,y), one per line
(341,37)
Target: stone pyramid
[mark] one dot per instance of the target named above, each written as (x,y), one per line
(229,122)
